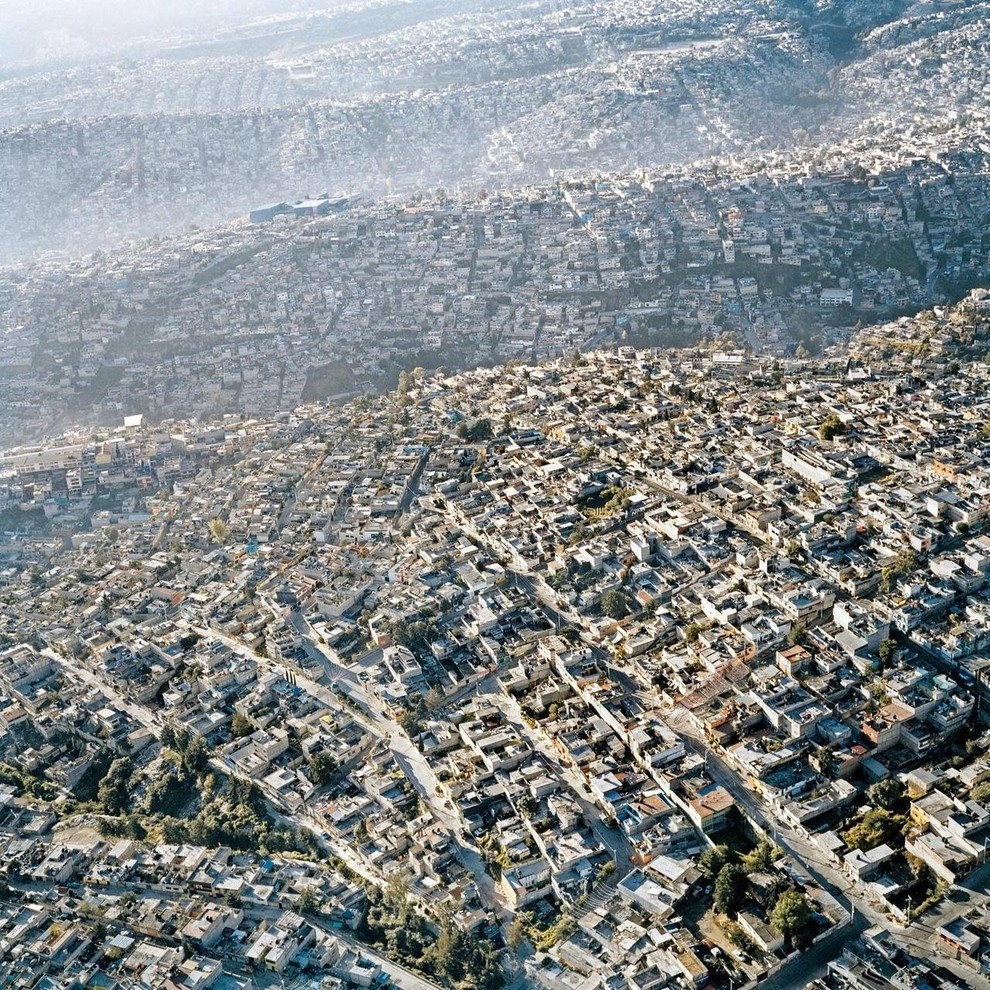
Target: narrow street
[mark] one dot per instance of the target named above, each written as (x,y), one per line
(612,839)
(918,938)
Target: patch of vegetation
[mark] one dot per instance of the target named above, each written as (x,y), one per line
(115,789)
(454,957)
(889,794)
(831,427)
(475,432)
(902,565)
(878,826)
(730,889)
(416,633)
(171,793)
(791,916)
(236,817)
(885,253)
(29,784)
(615,604)
(545,937)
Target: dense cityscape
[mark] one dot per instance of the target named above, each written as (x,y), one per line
(659,692)
(494,496)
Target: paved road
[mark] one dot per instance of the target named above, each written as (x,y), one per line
(408,758)
(614,840)
(918,938)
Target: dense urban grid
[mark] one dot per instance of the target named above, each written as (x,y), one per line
(766,179)
(495,495)
(322,298)
(634,668)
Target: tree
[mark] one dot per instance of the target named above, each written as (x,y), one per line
(730,888)
(831,427)
(322,768)
(761,858)
(195,756)
(693,631)
(791,916)
(903,564)
(219,530)
(886,651)
(474,432)
(446,951)
(887,794)
(308,902)
(981,793)
(878,826)
(825,758)
(241,725)
(712,860)
(614,604)
(796,634)
(114,792)
(618,500)
(516,933)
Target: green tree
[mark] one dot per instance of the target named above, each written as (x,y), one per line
(712,860)
(219,530)
(309,902)
(114,791)
(888,794)
(760,859)
(886,651)
(413,717)
(878,826)
(195,756)
(516,934)
(614,604)
(831,427)
(475,432)
(981,792)
(730,888)
(791,916)
(693,631)
(322,769)
(618,500)
(168,737)
(901,566)
(825,756)
(241,725)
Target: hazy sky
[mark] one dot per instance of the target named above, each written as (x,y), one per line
(38,30)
